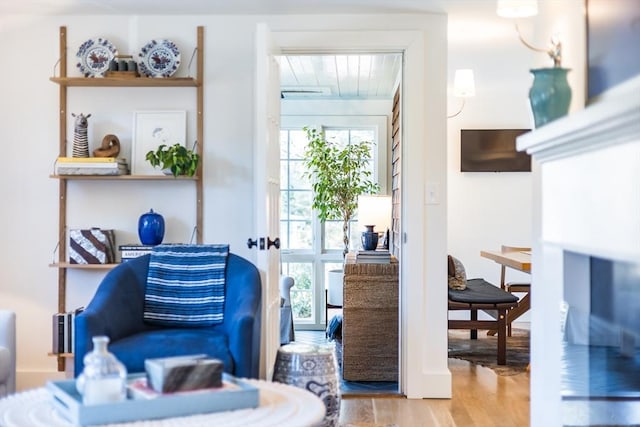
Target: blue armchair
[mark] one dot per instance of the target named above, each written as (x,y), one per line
(116,311)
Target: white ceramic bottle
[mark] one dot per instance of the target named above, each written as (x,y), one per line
(103,378)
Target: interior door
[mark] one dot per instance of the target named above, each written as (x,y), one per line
(267,191)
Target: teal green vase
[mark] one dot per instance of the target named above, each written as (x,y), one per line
(550,94)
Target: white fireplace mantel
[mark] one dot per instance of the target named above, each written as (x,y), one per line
(586,196)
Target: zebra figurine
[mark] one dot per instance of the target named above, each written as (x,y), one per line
(80,139)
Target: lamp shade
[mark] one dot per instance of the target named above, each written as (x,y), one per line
(464,85)
(517,8)
(374,210)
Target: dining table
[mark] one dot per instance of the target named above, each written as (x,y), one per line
(519,260)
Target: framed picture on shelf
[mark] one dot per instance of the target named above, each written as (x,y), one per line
(152,129)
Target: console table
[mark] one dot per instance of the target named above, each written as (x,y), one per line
(370,321)
(281,405)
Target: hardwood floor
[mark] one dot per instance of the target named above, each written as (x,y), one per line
(480,399)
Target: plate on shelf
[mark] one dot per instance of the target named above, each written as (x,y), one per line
(159,58)
(94,57)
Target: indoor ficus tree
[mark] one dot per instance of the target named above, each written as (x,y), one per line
(338,176)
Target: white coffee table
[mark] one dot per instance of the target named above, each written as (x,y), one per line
(281,405)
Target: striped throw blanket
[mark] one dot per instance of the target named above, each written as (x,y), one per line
(186,285)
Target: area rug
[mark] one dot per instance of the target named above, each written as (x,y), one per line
(367,425)
(483,351)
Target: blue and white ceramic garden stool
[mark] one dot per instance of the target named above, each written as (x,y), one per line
(313,368)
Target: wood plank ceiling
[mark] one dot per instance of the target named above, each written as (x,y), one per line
(344,76)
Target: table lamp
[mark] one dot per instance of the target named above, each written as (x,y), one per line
(374,211)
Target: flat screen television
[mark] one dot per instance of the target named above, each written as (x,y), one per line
(492,150)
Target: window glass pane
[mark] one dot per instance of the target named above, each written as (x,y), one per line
(359,135)
(302,291)
(284,235)
(284,205)
(284,148)
(339,137)
(300,205)
(284,175)
(333,235)
(355,237)
(297,170)
(300,235)
(298,143)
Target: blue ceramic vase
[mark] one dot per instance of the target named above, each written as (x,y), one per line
(151,228)
(369,239)
(550,94)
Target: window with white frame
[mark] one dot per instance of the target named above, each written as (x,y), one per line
(309,248)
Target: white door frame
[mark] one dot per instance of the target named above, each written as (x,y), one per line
(423,320)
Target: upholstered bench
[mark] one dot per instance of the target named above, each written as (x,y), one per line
(482,295)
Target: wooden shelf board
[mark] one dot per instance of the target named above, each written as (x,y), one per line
(126,177)
(65,355)
(83,266)
(117,82)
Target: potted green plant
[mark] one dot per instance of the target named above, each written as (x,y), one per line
(175,158)
(338,175)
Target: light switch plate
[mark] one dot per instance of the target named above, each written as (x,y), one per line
(432,193)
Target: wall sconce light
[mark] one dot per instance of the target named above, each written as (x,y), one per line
(524,9)
(463,87)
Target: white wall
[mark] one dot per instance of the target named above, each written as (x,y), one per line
(489,209)
(29,114)
(29,128)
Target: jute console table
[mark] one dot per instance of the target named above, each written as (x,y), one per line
(370,321)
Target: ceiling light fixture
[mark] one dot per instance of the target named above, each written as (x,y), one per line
(524,9)
(463,87)
(517,8)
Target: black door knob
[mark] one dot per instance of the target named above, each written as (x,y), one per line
(251,243)
(275,242)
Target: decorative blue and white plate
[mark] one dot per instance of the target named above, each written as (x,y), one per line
(94,57)
(159,58)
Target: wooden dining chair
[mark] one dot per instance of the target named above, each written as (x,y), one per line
(512,287)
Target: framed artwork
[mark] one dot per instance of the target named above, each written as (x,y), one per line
(152,129)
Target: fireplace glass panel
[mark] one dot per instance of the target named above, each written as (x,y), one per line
(601,339)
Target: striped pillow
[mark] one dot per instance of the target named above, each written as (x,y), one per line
(186,285)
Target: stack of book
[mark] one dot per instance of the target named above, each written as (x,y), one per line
(91,166)
(373,257)
(132,251)
(63,340)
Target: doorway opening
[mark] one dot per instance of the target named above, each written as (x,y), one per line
(351,97)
